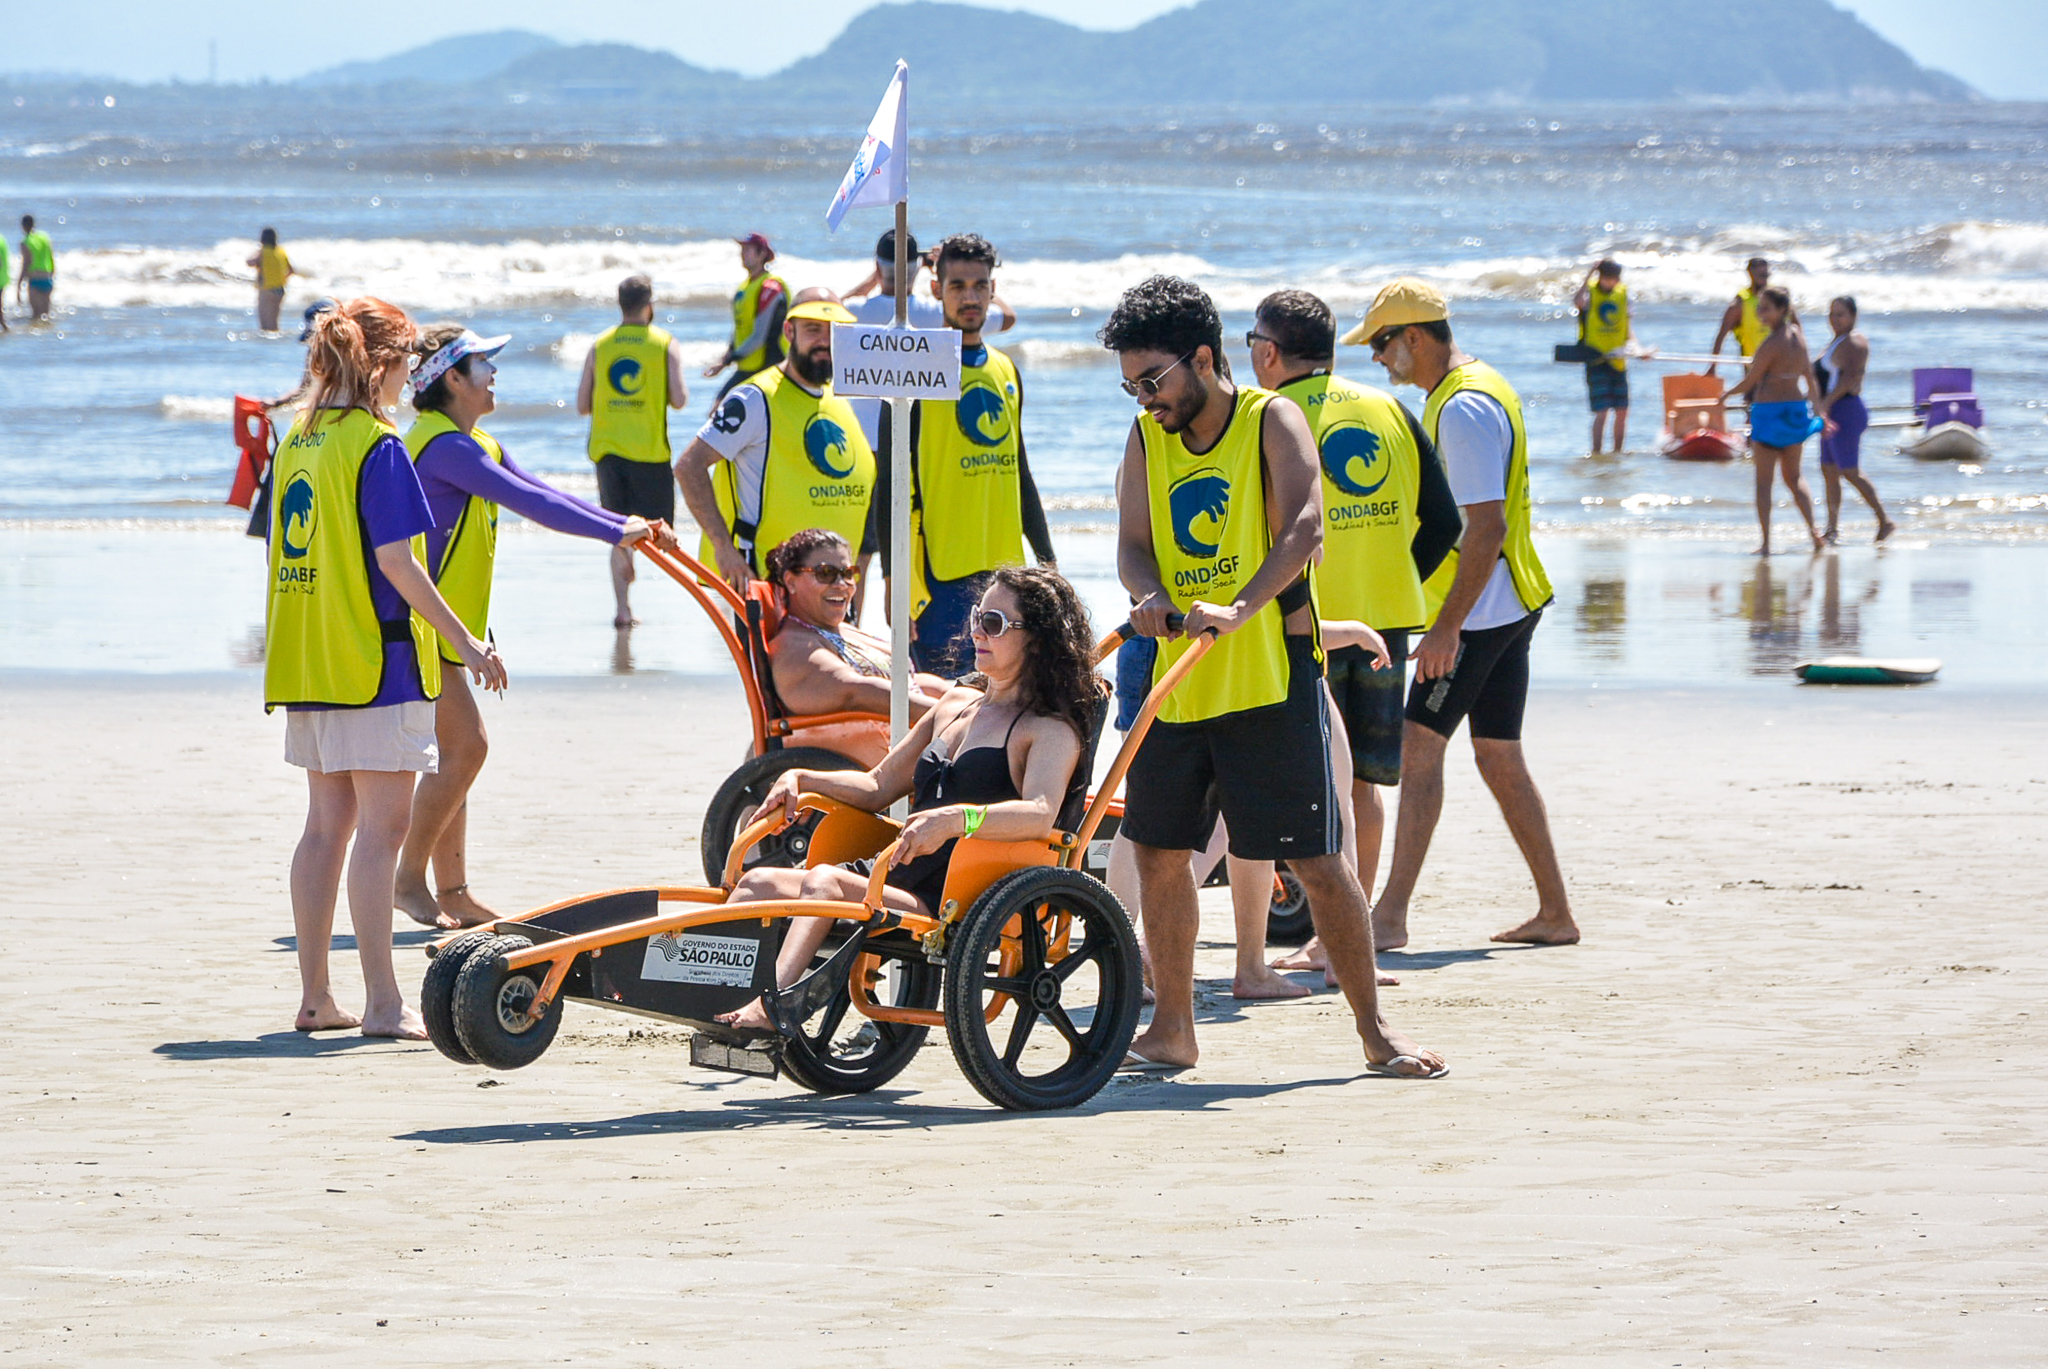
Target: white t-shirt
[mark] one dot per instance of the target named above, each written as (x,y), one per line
(738,431)
(923,312)
(1477,443)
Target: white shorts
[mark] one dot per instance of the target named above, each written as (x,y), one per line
(333,740)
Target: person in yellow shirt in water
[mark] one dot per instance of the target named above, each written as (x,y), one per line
(1741,318)
(758,309)
(273,269)
(1605,326)
(38,270)
(631,379)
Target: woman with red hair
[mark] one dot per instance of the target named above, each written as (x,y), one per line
(350,649)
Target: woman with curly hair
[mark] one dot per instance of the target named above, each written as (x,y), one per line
(998,757)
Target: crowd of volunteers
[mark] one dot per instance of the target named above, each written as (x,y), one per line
(1333,541)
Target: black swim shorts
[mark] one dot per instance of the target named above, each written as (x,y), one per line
(1489,684)
(1267,770)
(1370,702)
(646,488)
(1606,388)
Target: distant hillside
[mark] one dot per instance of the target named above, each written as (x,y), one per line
(1299,54)
(469,58)
(1292,52)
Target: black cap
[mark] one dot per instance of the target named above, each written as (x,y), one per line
(885,247)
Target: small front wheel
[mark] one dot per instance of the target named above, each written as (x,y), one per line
(1288,920)
(437,994)
(491,1007)
(1052,952)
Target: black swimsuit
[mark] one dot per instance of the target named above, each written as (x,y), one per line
(979,775)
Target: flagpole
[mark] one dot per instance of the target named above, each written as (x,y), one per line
(899,512)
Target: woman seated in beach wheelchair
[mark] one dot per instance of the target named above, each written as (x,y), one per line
(976,899)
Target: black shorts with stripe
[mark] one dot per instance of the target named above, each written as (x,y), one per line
(1266,770)
(1372,704)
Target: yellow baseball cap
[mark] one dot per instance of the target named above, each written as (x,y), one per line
(823,311)
(1399,302)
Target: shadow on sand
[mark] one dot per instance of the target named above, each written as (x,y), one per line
(346,941)
(281,1045)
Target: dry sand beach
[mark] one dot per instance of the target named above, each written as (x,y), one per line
(1783,1107)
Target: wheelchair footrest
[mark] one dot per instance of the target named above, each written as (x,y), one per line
(755,1057)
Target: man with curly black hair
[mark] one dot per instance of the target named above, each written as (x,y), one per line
(1219,514)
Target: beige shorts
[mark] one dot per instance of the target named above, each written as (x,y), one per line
(333,740)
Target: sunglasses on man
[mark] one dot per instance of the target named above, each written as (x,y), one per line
(1147,387)
(1384,338)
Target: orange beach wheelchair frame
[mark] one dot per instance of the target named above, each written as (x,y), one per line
(1029,964)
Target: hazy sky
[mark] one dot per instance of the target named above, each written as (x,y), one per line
(1999,46)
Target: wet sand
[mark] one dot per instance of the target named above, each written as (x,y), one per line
(1785,1105)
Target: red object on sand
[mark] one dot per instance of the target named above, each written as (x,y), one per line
(1696,420)
(1704,444)
(253,438)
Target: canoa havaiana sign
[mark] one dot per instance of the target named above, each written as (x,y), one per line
(890,363)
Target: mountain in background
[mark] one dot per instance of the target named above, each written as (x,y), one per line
(451,60)
(1246,53)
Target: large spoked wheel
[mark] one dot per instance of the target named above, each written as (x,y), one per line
(732,808)
(1053,951)
(1288,922)
(841,1051)
(437,994)
(491,1004)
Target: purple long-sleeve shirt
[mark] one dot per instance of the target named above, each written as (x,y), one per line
(454,466)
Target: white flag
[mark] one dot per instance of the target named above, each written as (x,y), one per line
(880,173)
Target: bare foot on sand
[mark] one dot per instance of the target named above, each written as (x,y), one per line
(1261,983)
(1885,529)
(406,1026)
(1389,929)
(753,1017)
(416,901)
(625,620)
(1309,957)
(323,1015)
(460,909)
(1544,929)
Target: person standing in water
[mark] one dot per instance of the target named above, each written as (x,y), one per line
(1486,598)
(1742,317)
(631,379)
(1605,326)
(6,278)
(1838,381)
(1780,418)
(273,269)
(350,650)
(758,308)
(38,269)
(1219,515)
(466,476)
(973,501)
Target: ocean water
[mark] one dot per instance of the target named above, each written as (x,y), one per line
(522,221)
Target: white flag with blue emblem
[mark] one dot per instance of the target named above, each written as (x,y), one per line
(880,173)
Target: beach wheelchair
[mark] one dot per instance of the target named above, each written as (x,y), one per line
(1029,964)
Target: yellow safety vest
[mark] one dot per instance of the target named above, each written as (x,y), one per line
(323,643)
(273,267)
(819,471)
(746,311)
(1750,331)
(1604,325)
(471,553)
(1372,476)
(1210,536)
(629,394)
(1532,585)
(970,491)
(42,258)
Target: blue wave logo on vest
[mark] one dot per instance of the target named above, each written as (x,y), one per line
(1203,498)
(295,517)
(624,376)
(1609,311)
(982,417)
(825,443)
(1353,444)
